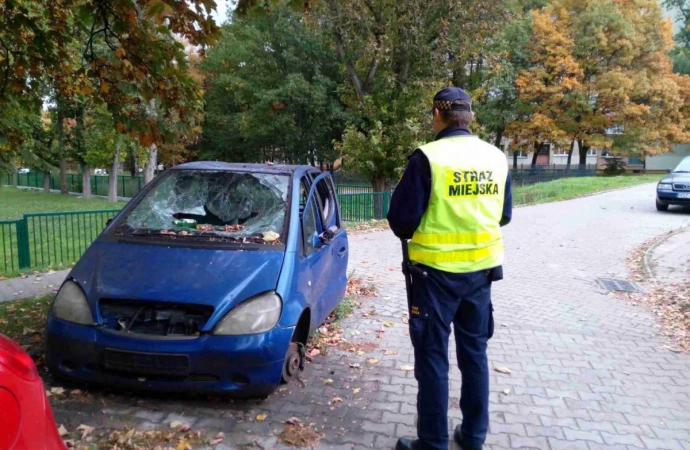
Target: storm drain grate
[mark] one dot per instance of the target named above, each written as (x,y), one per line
(617,285)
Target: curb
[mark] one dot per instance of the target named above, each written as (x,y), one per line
(646,265)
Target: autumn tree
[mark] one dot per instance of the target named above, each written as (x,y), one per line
(547,86)
(115,52)
(603,65)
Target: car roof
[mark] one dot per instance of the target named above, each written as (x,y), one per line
(245,167)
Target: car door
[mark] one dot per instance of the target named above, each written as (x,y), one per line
(312,255)
(334,268)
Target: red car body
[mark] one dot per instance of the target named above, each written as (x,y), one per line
(26,419)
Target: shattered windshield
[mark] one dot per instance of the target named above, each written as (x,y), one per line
(214,205)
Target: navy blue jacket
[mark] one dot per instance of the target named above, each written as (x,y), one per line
(411,196)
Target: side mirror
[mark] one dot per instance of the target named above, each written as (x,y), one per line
(326,237)
(108,222)
(316,240)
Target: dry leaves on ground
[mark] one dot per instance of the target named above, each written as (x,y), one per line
(127,439)
(358,347)
(296,434)
(357,288)
(504,370)
(670,304)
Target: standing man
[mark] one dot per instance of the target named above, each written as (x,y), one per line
(451,202)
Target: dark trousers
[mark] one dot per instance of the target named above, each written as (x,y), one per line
(439,299)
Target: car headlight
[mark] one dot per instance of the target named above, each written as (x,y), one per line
(257,315)
(71,305)
(665,187)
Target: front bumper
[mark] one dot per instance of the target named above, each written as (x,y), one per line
(671,198)
(249,364)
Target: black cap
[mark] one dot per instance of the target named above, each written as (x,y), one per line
(445,98)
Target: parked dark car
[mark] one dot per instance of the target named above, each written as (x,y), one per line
(210,279)
(674,188)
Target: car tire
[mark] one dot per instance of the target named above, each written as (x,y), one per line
(661,206)
(293,363)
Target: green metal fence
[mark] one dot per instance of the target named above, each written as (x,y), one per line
(127,186)
(363,207)
(354,189)
(49,239)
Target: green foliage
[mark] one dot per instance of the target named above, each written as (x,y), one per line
(614,166)
(272,93)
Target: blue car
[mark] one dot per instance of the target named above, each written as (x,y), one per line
(210,280)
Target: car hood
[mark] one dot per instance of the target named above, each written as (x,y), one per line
(219,278)
(677,178)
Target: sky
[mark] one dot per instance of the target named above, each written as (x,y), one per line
(221,13)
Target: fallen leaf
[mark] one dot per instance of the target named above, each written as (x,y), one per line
(355,333)
(506,391)
(57,390)
(85,431)
(336,400)
(405,320)
(391,352)
(62,431)
(183,445)
(388,324)
(75,392)
(407,368)
(373,361)
(293,421)
(328,381)
(69,443)
(261,417)
(504,370)
(356,390)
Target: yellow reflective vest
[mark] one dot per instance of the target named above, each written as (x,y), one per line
(460,231)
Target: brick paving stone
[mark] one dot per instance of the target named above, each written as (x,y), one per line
(588,370)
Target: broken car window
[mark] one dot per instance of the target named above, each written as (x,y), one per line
(213,204)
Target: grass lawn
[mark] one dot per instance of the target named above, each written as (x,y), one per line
(14,203)
(55,241)
(568,188)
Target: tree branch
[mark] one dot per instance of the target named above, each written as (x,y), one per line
(340,47)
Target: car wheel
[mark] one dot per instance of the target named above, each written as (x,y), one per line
(661,206)
(293,362)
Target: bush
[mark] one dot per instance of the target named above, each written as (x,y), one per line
(614,166)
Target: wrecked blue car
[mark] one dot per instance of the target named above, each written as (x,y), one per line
(210,280)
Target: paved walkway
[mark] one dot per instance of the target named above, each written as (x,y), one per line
(588,371)
(31,286)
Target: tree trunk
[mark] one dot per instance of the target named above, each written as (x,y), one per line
(15,175)
(63,176)
(112,179)
(583,153)
(379,185)
(499,138)
(150,163)
(85,181)
(46,182)
(62,145)
(537,148)
(515,155)
(570,157)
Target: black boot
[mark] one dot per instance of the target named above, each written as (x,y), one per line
(461,441)
(408,444)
